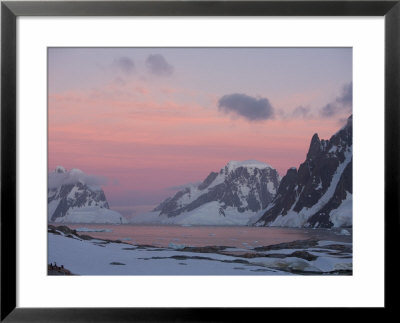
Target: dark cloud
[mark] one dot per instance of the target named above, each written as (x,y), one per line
(125,64)
(330,109)
(157,64)
(250,108)
(344,102)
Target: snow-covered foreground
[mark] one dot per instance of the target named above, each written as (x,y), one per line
(85,256)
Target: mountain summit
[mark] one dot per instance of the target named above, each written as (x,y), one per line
(319,193)
(74,197)
(231,196)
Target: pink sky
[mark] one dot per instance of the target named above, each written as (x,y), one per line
(147,133)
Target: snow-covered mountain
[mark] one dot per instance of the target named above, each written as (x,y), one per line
(74,197)
(319,193)
(234,195)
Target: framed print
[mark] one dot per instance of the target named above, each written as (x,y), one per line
(181,155)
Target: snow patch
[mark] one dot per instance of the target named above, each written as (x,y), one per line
(343,215)
(344,232)
(333,149)
(176,246)
(271,188)
(324,243)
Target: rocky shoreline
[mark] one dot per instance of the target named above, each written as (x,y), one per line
(297,257)
(71,233)
(54,270)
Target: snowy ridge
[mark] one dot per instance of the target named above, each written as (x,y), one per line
(234,195)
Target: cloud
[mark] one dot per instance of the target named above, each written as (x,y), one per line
(119,81)
(250,108)
(56,179)
(157,64)
(342,121)
(347,95)
(344,102)
(330,109)
(301,112)
(125,64)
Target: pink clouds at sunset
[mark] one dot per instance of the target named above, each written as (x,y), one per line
(148,123)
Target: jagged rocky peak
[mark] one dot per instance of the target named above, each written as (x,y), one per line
(316,146)
(344,137)
(291,174)
(320,192)
(240,187)
(248,164)
(60,169)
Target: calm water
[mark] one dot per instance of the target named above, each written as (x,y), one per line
(208,235)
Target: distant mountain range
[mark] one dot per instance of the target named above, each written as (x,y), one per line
(317,194)
(73,199)
(231,196)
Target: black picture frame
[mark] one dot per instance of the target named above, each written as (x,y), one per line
(11,10)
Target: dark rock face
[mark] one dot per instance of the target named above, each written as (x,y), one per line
(210,178)
(319,186)
(162,204)
(76,195)
(244,188)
